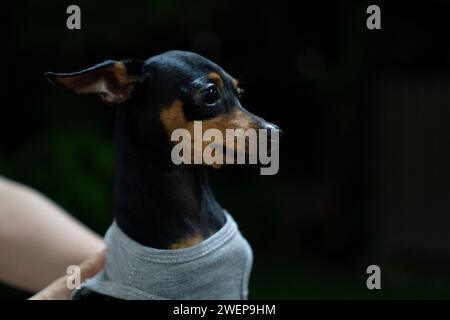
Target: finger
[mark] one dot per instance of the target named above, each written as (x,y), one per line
(57,290)
(92,266)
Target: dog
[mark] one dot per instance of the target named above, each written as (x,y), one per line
(170,239)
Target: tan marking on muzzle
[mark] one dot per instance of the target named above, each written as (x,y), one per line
(173,118)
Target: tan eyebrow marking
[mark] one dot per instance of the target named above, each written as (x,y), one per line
(235,83)
(214,76)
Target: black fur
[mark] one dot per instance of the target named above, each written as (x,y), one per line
(158,203)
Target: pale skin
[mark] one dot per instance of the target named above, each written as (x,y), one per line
(39,240)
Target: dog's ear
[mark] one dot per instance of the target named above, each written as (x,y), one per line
(114,81)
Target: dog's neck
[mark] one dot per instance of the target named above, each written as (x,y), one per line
(157,203)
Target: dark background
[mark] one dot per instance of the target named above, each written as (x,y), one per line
(364,173)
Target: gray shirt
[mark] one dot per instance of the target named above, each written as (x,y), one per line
(217,268)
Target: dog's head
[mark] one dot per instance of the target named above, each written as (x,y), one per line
(168,92)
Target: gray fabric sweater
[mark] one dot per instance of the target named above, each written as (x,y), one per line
(217,268)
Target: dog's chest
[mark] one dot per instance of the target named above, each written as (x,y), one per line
(217,268)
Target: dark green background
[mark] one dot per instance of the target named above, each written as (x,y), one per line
(363,177)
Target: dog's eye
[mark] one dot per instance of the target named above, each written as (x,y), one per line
(240,92)
(210,96)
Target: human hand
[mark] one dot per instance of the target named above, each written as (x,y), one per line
(58,290)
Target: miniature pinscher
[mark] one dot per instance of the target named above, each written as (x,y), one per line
(159,204)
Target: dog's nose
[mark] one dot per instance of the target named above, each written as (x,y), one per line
(273,128)
(273,134)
